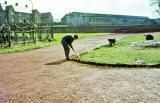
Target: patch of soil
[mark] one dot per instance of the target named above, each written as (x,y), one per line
(127,30)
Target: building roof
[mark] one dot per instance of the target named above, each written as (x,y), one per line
(109,15)
(46,15)
(17,8)
(3,6)
(22,9)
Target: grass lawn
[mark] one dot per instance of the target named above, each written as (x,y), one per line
(121,53)
(60,26)
(57,37)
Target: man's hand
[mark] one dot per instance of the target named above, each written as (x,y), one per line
(75,51)
(76,54)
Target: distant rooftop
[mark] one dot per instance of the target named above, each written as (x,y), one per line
(45,15)
(18,8)
(108,15)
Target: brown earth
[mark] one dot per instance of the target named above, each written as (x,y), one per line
(43,76)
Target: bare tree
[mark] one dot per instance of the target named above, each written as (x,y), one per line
(31,3)
(156,5)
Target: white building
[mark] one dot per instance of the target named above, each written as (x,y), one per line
(92,19)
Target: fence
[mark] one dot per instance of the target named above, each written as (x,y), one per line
(26,35)
(22,36)
(104,29)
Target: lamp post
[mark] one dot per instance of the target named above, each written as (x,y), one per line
(1,17)
(32,12)
(31,3)
(34,37)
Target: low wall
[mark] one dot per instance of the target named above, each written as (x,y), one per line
(111,29)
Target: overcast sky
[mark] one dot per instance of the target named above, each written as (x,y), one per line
(60,7)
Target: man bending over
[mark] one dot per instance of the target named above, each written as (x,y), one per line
(66,42)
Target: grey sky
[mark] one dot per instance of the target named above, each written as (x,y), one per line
(60,7)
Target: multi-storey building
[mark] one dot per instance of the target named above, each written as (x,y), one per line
(16,14)
(93,19)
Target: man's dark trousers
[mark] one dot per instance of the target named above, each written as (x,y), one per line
(66,48)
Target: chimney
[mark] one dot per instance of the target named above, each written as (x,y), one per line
(5,2)
(26,6)
(16,4)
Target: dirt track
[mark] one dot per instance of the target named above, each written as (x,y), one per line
(43,76)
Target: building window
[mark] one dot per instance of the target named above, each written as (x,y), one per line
(91,19)
(117,19)
(12,13)
(27,15)
(20,20)
(125,20)
(27,21)
(19,14)
(71,16)
(6,21)
(12,20)
(107,20)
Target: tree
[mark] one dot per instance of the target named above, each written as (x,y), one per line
(156,5)
(31,3)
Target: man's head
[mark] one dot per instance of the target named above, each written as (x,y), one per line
(75,36)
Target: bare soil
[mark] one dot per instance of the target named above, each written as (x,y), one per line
(44,76)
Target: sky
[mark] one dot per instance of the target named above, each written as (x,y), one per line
(59,8)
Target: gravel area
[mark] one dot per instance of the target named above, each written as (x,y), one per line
(43,76)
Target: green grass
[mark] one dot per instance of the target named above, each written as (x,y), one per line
(57,37)
(122,54)
(60,26)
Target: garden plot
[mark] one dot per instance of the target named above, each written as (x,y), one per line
(123,53)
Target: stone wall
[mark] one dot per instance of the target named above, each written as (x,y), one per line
(104,29)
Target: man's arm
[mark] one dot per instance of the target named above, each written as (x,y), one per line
(74,50)
(71,47)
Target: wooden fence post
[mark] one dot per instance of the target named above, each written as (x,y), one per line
(52,35)
(24,40)
(40,34)
(34,35)
(15,34)
(30,33)
(9,37)
(1,39)
(44,36)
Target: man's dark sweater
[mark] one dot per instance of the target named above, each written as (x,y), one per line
(69,39)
